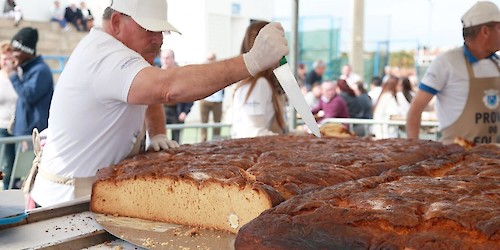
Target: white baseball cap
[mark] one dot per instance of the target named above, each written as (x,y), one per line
(149,14)
(479,13)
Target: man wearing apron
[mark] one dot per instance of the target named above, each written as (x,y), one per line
(109,85)
(466,82)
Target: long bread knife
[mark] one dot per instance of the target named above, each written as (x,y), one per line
(287,80)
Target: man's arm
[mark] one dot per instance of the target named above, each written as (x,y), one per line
(414,116)
(155,120)
(186,84)
(155,123)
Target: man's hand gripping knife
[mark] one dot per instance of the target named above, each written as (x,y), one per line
(269,47)
(160,142)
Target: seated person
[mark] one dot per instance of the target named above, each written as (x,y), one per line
(57,15)
(87,18)
(74,16)
(11,10)
(332,105)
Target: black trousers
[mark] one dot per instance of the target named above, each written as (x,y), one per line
(173,118)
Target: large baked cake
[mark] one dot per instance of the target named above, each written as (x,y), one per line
(445,202)
(225,184)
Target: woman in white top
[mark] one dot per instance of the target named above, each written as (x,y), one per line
(8,98)
(385,107)
(405,95)
(257,100)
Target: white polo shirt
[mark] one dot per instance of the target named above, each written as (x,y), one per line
(91,126)
(447,78)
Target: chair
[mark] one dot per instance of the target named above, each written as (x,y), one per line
(22,164)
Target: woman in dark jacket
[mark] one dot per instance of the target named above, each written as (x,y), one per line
(350,98)
(364,100)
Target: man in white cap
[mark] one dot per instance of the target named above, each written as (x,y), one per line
(108,89)
(466,82)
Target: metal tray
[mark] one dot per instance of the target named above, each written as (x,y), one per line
(160,235)
(12,207)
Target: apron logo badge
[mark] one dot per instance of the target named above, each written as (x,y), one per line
(491,99)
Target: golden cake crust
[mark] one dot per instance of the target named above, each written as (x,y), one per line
(205,184)
(449,202)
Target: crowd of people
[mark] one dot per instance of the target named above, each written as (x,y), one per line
(347,97)
(79,17)
(258,104)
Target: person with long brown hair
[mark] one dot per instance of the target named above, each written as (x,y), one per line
(346,92)
(258,100)
(405,95)
(385,107)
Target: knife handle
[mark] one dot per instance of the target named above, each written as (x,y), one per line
(283,61)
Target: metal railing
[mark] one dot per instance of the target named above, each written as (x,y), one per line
(60,60)
(18,160)
(428,129)
(194,136)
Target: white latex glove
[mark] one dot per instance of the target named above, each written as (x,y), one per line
(269,47)
(159,142)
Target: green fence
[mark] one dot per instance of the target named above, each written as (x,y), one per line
(319,38)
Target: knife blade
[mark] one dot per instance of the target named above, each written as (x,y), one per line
(288,82)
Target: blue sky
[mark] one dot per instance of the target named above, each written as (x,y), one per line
(406,23)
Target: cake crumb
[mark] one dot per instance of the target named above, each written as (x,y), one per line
(192,232)
(177,232)
(148,242)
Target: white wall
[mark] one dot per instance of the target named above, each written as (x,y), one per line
(218,28)
(257,9)
(186,16)
(210,26)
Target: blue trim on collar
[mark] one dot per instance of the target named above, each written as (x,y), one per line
(472,59)
(427,89)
